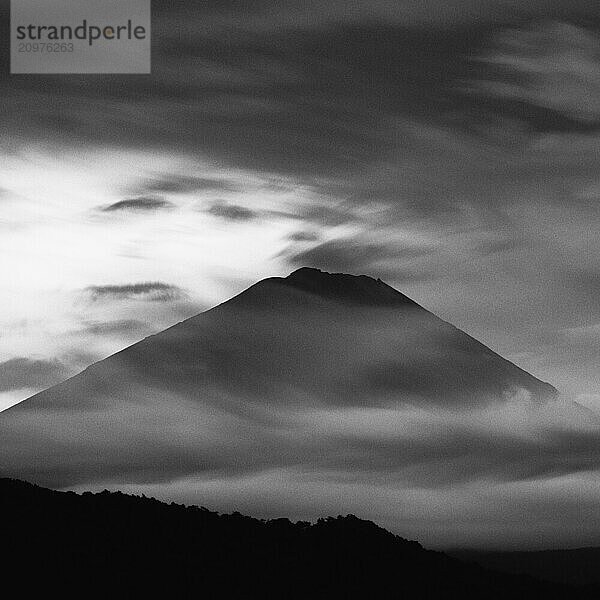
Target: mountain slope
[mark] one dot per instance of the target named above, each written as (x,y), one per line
(178,402)
(125,546)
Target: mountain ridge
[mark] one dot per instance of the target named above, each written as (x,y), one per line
(310,280)
(357,288)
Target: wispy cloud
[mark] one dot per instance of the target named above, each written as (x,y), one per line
(231,212)
(303,236)
(122,327)
(176,183)
(155,291)
(554,65)
(356,255)
(141,203)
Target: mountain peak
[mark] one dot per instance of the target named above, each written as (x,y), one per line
(345,288)
(280,353)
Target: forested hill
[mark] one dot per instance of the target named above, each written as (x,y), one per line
(115,545)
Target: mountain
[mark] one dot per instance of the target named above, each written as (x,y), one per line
(197,397)
(112,544)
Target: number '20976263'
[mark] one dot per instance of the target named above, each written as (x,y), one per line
(42,47)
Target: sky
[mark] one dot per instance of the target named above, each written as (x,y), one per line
(450,148)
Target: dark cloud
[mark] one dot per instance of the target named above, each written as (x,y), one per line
(231,212)
(141,203)
(267,16)
(155,291)
(19,373)
(125,326)
(343,255)
(298,97)
(346,256)
(303,236)
(333,103)
(352,255)
(249,99)
(177,183)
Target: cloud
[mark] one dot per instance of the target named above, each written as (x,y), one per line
(554,65)
(303,236)
(404,445)
(346,256)
(356,255)
(265,16)
(240,99)
(175,183)
(231,212)
(502,443)
(122,327)
(155,291)
(481,462)
(141,203)
(19,373)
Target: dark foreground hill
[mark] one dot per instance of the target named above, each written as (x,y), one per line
(114,545)
(580,565)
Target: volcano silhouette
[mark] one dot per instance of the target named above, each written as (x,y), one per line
(177,402)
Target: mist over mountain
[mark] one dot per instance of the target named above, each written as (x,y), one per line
(297,388)
(125,546)
(324,339)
